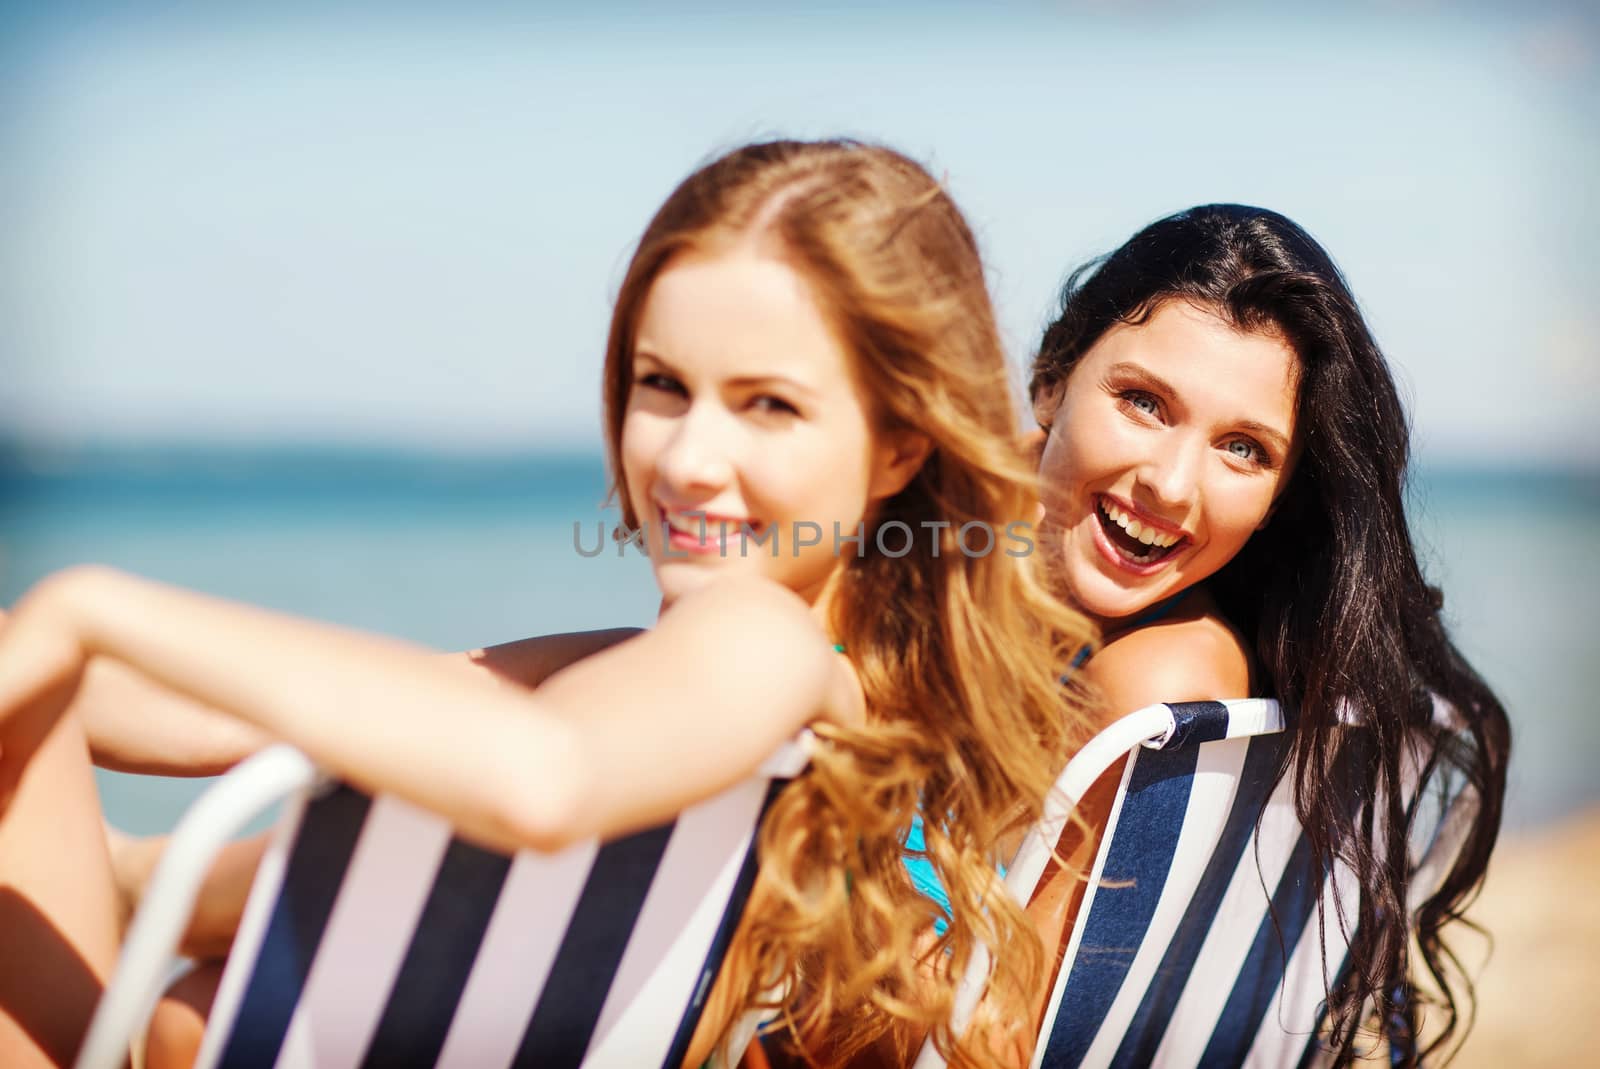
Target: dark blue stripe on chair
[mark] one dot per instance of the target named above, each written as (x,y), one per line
(1157,798)
(1256,781)
(1196,722)
(1293,902)
(311,881)
(449,931)
(581,975)
(719,943)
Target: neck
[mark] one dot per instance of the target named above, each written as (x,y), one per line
(1115,625)
(819,596)
(821,599)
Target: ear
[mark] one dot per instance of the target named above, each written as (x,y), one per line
(1045,403)
(897,458)
(1031,445)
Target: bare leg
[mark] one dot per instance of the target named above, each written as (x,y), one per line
(173,1039)
(58,904)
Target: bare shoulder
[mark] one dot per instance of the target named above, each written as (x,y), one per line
(1194,656)
(763,631)
(750,616)
(530,661)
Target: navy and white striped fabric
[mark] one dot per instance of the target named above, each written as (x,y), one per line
(374,937)
(1198,941)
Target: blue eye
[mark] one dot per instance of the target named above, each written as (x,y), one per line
(1141,401)
(655,380)
(769,403)
(1245,449)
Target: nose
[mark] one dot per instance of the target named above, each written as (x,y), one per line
(695,458)
(1171,474)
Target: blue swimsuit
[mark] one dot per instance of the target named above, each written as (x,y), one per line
(920,869)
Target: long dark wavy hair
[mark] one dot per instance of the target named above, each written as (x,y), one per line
(1347,630)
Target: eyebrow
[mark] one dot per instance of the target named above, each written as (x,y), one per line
(1143,376)
(739,381)
(1156,384)
(1274,437)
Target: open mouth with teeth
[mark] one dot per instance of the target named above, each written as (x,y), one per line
(1135,542)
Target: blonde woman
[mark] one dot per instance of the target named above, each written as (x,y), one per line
(803,337)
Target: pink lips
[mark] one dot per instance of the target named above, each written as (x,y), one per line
(707,539)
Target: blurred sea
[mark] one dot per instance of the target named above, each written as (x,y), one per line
(457,552)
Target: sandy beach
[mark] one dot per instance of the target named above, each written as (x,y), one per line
(1538,994)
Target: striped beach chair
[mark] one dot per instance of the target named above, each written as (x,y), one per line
(1197,942)
(374,937)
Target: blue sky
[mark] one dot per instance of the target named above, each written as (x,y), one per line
(407,228)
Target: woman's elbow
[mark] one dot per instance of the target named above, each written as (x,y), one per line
(543,823)
(544,804)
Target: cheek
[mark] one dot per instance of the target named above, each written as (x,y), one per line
(641,444)
(1054,465)
(837,469)
(1236,515)
(1091,452)
(819,493)
(1062,461)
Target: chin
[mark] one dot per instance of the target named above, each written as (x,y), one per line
(675,581)
(677,578)
(1107,601)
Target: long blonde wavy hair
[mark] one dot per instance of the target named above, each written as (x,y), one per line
(959,653)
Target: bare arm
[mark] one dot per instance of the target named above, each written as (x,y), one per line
(133,724)
(227,885)
(620,740)
(136,726)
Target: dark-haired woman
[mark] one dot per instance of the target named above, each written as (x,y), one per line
(1222,473)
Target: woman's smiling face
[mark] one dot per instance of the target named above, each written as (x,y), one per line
(743,414)
(1169,442)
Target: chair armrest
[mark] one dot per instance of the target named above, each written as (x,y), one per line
(215,818)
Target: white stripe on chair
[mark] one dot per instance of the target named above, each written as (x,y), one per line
(373,934)
(1211,796)
(1295,1010)
(1316,961)
(1213,788)
(1223,954)
(368,932)
(259,906)
(681,915)
(514,961)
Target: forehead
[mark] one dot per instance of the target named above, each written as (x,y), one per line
(740,312)
(1237,374)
